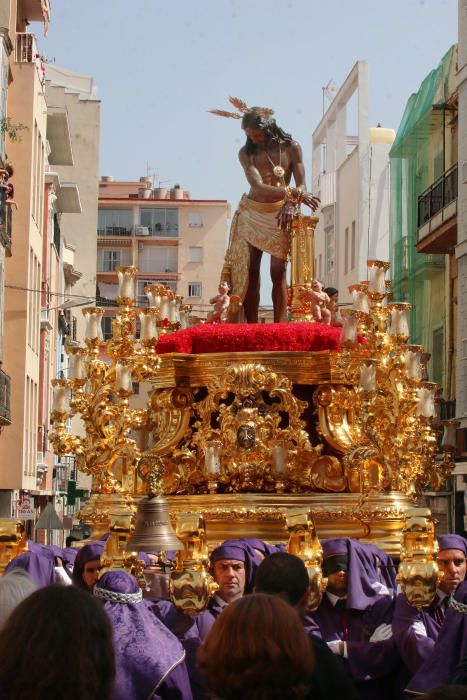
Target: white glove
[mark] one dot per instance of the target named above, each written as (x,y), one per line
(419,628)
(336,646)
(61,576)
(381,633)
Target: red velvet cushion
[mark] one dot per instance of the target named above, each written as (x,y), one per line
(239,337)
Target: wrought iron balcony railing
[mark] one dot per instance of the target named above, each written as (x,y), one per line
(5,392)
(441,193)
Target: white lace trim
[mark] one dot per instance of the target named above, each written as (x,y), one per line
(115,597)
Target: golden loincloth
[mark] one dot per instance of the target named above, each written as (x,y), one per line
(253,223)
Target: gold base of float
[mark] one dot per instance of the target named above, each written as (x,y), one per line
(378,520)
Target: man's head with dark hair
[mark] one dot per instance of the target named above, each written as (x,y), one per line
(256,124)
(284,575)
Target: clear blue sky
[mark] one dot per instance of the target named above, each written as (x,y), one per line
(160,65)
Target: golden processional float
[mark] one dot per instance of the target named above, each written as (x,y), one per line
(283,446)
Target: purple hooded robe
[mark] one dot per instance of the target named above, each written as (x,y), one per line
(369,604)
(448,651)
(191,632)
(150,661)
(89,552)
(39,567)
(415,648)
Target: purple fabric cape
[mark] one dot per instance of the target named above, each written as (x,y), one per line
(370,664)
(146,652)
(240,551)
(414,649)
(452,542)
(264,547)
(371,571)
(449,650)
(40,568)
(89,552)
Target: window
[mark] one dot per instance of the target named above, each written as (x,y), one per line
(352,253)
(111,260)
(194,289)
(141,284)
(114,222)
(160,222)
(195,219)
(107,327)
(329,235)
(346,257)
(155,258)
(196,254)
(437,355)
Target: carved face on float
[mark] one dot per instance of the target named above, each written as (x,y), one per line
(246,436)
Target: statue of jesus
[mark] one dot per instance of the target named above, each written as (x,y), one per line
(263,220)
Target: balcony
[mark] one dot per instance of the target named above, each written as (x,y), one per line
(5,390)
(114,232)
(5,223)
(26,51)
(437,215)
(159,230)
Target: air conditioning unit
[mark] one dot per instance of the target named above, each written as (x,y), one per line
(141,230)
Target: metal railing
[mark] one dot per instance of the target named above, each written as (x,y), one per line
(5,392)
(5,220)
(441,193)
(115,231)
(26,51)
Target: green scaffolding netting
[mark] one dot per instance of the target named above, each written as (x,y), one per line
(417,159)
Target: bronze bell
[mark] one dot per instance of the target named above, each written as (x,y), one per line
(153,531)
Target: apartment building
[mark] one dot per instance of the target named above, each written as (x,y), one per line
(350,174)
(170,238)
(41,275)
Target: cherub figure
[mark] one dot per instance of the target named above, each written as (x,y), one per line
(318,300)
(221,304)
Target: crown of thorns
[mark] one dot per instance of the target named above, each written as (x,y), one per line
(243,109)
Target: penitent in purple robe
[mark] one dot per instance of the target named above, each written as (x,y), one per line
(149,659)
(369,604)
(414,648)
(40,568)
(448,652)
(369,664)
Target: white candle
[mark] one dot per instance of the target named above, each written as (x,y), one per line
(77,366)
(368,377)
(449,440)
(360,301)
(412,364)
(399,322)
(148,326)
(349,330)
(154,300)
(93,325)
(173,311)
(126,282)
(426,402)
(165,307)
(60,400)
(123,378)
(212,462)
(279,454)
(377,283)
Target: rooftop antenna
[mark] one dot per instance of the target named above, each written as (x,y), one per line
(328,92)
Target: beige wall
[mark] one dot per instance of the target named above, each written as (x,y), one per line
(80,230)
(211,237)
(18,446)
(347,207)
